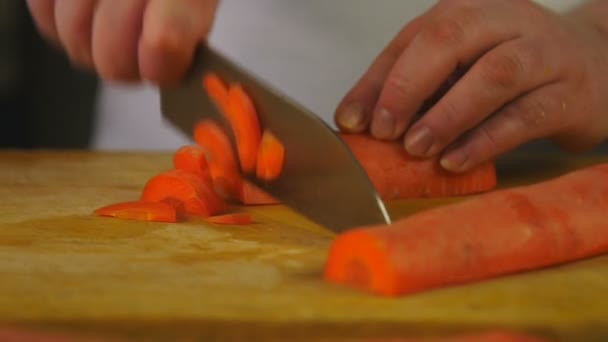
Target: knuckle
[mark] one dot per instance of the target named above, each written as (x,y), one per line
(448,113)
(531,113)
(451,29)
(489,140)
(502,70)
(445,32)
(398,86)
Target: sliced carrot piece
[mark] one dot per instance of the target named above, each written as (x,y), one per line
(217,90)
(245,124)
(232,219)
(192,159)
(198,196)
(252,195)
(271,157)
(179,206)
(223,166)
(140,211)
(498,233)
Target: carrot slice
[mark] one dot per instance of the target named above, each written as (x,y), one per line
(397,175)
(250,194)
(232,219)
(271,157)
(216,90)
(223,166)
(198,196)
(192,159)
(140,211)
(179,206)
(498,233)
(245,124)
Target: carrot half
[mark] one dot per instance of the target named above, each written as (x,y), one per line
(271,157)
(503,232)
(245,124)
(192,159)
(140,211)
(198,196)
(397,175)
(223,165)
(231,219)
(217,90)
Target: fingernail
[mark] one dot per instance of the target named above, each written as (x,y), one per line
(351,117)
(419,142)
(383,125)
(455,161)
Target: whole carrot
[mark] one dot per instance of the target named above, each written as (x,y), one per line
(498,233)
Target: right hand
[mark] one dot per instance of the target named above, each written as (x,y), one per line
(127,40)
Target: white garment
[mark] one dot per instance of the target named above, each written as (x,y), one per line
(312,50)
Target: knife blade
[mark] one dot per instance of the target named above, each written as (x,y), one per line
(321,179)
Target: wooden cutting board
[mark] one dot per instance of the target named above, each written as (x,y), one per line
(63,269)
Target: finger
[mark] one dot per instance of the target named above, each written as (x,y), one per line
(354,111)
(506,72)
(43,12)
(116,31)
(172,31)
(538,114)
(74,26)
(454,38)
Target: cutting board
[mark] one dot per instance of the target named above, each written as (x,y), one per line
(64,270)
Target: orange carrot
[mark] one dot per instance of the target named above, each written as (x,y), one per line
(222,162)
(271,157)
(245,124)
(198,196)
(140,211)
(192,159)
(253,195)
(498,233)
(232,219)
(179,206)
(397,175)
(216,90)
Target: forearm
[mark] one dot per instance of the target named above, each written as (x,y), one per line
(595,13)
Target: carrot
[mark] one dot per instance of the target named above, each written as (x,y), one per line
(223,166)
(232,219)
(140,211)
(245,124)
(198,196)
(192,159)
(397,175)
(498,233)
(271,157)
(179,206)
(216,90)
(250,194)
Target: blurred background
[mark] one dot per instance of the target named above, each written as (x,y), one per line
(312,50)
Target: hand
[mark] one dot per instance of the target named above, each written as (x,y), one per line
(127,40)
(522,73)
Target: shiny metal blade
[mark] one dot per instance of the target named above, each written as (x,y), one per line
(321,178)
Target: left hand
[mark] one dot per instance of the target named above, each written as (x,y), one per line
(528,73)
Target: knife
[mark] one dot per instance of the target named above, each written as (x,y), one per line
(321,179)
